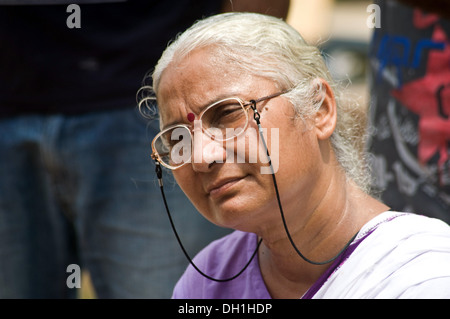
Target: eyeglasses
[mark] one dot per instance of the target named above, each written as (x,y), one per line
(221,121)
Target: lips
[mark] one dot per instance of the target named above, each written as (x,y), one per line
(219,187)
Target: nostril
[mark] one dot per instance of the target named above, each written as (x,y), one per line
(211,164)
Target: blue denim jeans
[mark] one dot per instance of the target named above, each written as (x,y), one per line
(82,190)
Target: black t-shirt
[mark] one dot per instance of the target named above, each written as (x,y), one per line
(410,109)
(47,67)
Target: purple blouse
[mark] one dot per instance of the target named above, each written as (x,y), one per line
(224,258)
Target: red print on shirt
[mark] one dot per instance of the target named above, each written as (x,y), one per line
(429,98)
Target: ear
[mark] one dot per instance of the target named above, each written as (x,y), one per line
(325,117)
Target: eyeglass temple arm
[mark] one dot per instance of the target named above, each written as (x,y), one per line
(253,102)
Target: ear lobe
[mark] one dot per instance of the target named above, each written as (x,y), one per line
(325,117)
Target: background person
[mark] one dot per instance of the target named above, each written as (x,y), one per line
(76,186)
(410,106)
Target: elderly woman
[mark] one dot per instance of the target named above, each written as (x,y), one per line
(256,135)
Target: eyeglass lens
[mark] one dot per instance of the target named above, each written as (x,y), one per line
(220,121)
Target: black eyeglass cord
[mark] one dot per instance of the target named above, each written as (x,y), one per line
(158,170)
(159,174)
(257,116)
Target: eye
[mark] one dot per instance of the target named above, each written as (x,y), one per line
(224,114)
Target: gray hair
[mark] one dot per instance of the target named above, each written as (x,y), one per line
(268,47)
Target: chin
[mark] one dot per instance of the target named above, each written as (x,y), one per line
(232,213)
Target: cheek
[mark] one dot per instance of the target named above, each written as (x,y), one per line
(193,190)
(297,156)
(186,181)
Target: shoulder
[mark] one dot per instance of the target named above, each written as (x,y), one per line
(421,254)
(406,227)
(409,238)
(221,259)
(393,229)
(402,256)
(405,254)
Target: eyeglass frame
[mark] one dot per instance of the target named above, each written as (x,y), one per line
(246,105)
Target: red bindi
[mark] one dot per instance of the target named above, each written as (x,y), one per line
(191,117)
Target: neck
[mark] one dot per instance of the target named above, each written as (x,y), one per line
(319,237)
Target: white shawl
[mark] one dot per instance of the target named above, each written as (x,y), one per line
(405,256)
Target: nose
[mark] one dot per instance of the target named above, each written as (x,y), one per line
(206,151)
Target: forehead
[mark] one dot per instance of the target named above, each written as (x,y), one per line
(197,80)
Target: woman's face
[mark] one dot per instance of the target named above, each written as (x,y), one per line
(228,192)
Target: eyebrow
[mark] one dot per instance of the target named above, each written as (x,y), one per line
(172,124)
